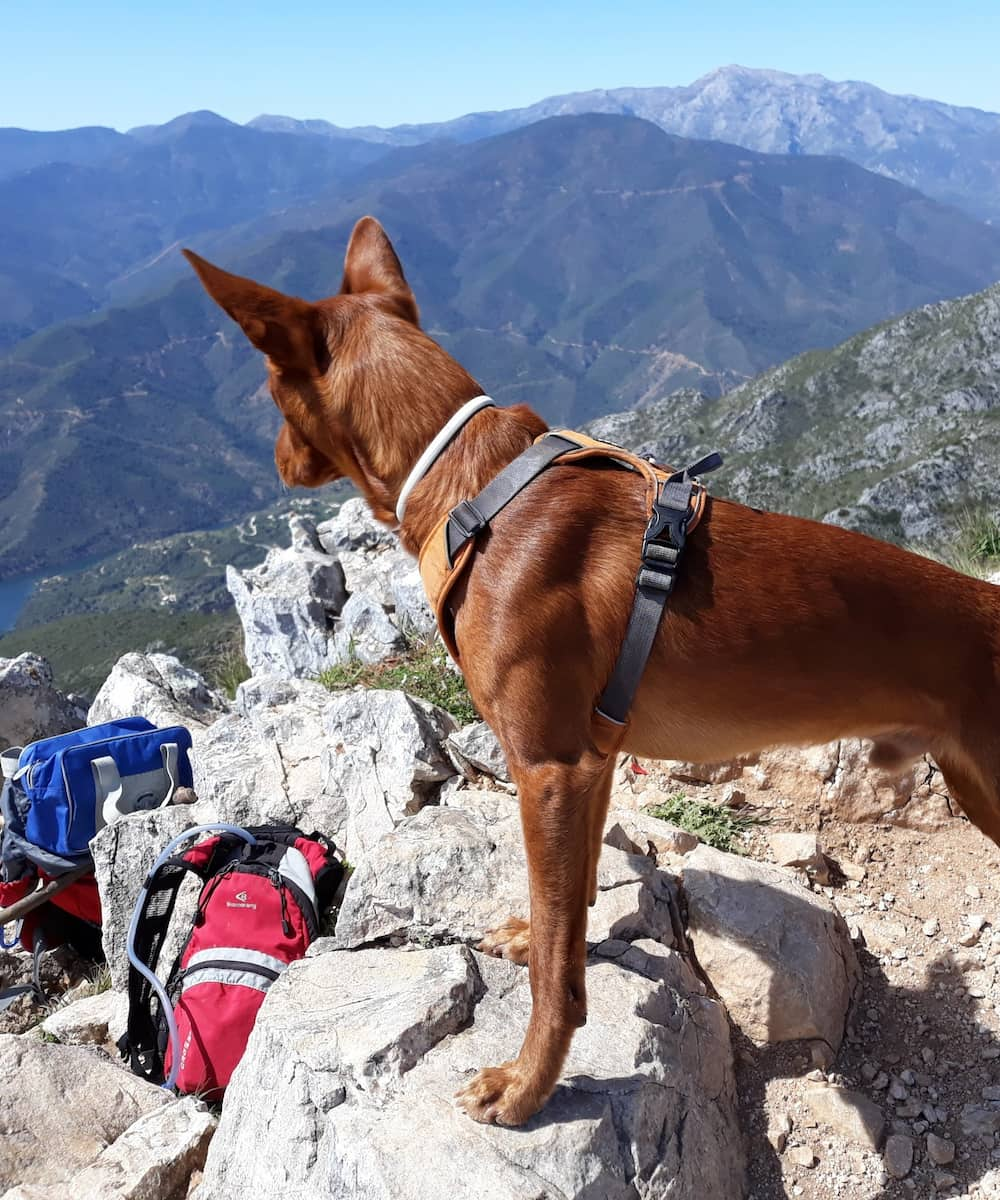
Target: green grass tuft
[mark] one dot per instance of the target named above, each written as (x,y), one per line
(715,824)
(974,549)
(423,672)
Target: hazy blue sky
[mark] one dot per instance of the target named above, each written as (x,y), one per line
(107,62)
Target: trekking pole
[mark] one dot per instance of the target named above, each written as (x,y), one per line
(21,908)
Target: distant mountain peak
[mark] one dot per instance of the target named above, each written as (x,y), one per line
(200,118)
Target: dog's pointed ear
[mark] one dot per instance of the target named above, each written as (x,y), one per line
(372,265)
(288,330)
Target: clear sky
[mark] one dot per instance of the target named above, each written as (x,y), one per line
(383,62)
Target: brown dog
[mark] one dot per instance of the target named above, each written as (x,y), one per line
(780,630)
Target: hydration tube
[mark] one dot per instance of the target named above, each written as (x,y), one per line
(149,975)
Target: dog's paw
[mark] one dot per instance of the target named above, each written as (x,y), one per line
(497,1096)
(509,940)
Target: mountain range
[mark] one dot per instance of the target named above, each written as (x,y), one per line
(951,153)
(583,262)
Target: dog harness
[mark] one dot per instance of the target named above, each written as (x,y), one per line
(675,501)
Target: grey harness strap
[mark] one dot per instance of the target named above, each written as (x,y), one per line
(662,547)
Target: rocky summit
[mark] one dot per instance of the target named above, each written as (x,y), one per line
(894,432)
(714,975)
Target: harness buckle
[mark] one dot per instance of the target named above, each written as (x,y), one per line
(665,535)
(468,519)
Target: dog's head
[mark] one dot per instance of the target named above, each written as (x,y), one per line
(361,388)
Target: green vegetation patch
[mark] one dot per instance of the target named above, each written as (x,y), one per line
(423,672)
(715,824)
(83,649)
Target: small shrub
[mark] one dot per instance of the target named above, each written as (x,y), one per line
(715,824)
(228,667)
(423,672)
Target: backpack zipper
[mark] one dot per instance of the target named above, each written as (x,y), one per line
(277,880)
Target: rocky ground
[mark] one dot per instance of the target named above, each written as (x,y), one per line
(814,1014)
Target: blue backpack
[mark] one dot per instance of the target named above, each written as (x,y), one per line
(60,791)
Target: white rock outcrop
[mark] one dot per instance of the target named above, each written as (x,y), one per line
(159,688)
(646,1109)
(288,607)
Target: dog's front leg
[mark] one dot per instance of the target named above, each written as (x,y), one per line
(556,814)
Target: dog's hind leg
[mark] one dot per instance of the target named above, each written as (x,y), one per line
(976,788)
(557,813)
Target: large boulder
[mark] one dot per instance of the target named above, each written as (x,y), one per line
(647,1107)
(60,1107)
(451,874)
(288,606)
(30,706)
(264,762)
(123,853)
(779,956)
(159,688)
(384,759)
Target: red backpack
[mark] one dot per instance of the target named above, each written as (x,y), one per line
(264,890)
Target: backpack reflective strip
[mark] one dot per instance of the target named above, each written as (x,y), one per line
(238,956)
(232,975)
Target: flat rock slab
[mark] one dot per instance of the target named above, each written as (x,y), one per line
(60,1108)
(779,956)
(347,1086)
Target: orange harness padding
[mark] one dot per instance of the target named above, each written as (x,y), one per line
(441,570)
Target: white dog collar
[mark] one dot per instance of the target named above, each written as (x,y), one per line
(437,447)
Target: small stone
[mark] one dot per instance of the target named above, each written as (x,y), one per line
(803,1156)
(880,1082)
(931,927)
(868,1072)
(848,1113)
(928,1055)
(973,892)
(900,953)
(898,1157)
(991,1093)
(975,921)
(897,1091)
(908,1077)
(942,1179)
(969,938)
(939,1150)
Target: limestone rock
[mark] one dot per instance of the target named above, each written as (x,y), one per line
(368,552)
(851,1114)
(365,633)
(30,706)
(409,600)
(153,1159)
(287,607)
(384,759)
(646,1107)
(475,746)
(87,1021)
(159,688)
(641,833)
(60,1106)
(123,854)
(779,956)
(450,874)
(264,762)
